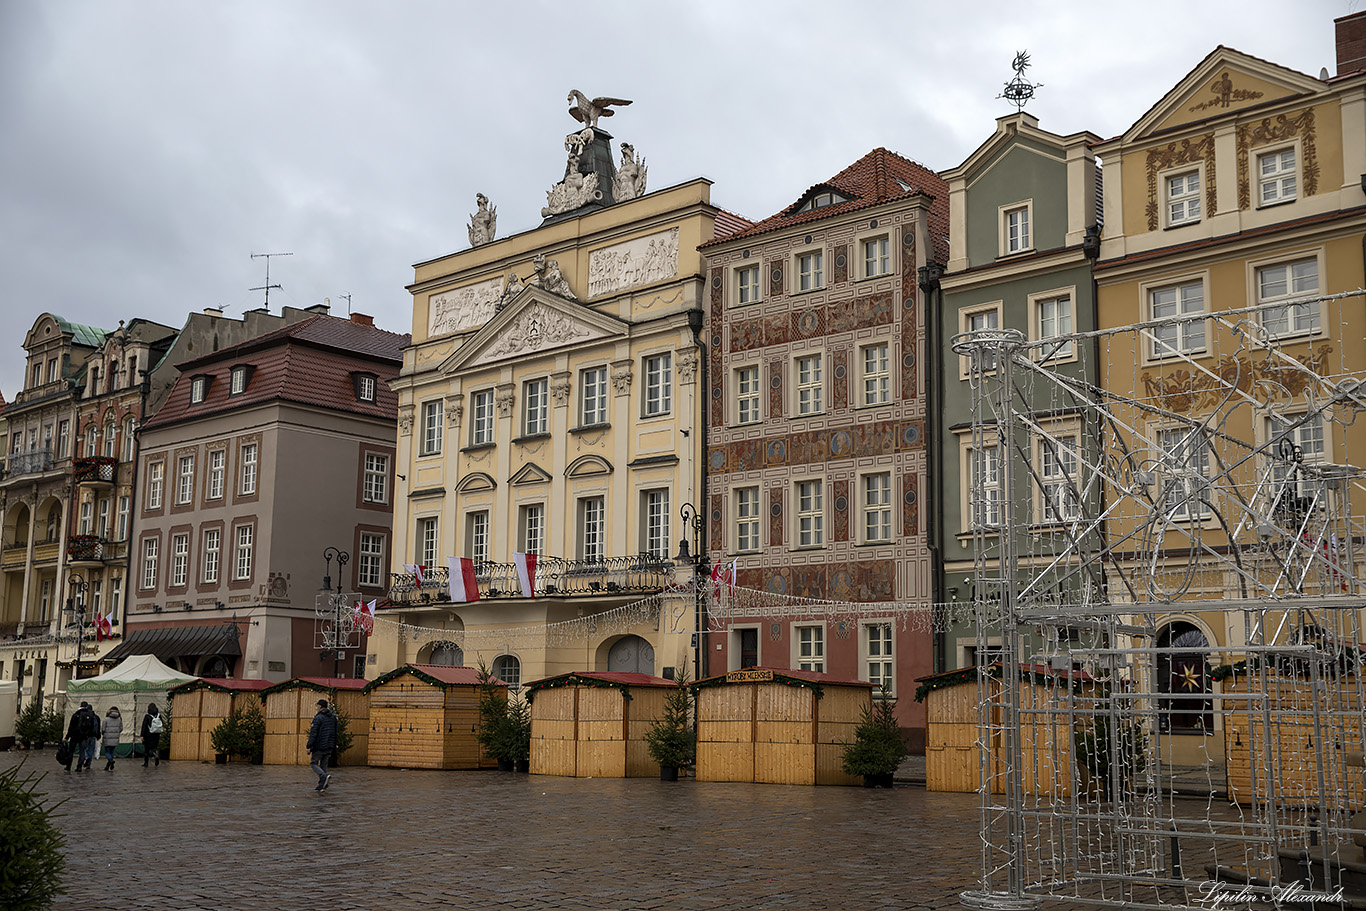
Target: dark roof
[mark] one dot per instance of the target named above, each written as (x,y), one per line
(167,642)
(435,674)
(220,685)
(878,177)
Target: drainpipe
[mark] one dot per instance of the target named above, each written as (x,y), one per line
(933,295)
(700,618)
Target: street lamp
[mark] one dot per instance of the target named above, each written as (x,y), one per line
(75,605)
(694,520)
(334,608)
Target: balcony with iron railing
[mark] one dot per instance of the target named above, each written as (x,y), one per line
(555,578)
(35,461)
(95,469)
(87,549)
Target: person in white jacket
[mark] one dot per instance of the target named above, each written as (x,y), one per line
(110,730)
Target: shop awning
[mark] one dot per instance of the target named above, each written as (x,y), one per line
(167,642)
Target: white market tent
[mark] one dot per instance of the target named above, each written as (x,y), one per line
(137,681)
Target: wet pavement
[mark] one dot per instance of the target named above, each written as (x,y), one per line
(191,836)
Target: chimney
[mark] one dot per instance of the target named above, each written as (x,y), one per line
(362,319)
(1351,41)
(213,311)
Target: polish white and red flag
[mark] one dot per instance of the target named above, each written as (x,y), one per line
(365,617)
(464,584)
(104,627)
(724,574)
(526,572)
(418,571)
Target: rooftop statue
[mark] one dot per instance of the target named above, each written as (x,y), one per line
(548,277)
(630,181)
(484,222)
(576,189)
(587,112)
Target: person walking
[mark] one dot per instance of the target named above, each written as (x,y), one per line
(152,726)
(110,732)
(83,732)
(322,740)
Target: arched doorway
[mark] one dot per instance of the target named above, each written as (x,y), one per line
(1183,677)
(213,666)
(631,654)
(447,654)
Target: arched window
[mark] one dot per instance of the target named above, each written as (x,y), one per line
(509,670)
(631,654)
(128,439)
(447,654)
(1183,679)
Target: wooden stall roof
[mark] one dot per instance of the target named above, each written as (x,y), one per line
(435,675)
(221,685)
(1036,673)
(622,680)
(813,679)
(320,684)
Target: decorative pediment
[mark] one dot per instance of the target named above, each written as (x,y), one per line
(532,322)
(586,466)
(1225,81)
(530,474)
(476,482)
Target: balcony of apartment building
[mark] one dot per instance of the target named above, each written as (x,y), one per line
(641,574)
(94,551)
(22,464)
(95,471)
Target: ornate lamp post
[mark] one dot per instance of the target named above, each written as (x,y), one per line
(75,606)
(694,520)
(332,607)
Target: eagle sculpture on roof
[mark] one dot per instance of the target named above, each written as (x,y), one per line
(587,112)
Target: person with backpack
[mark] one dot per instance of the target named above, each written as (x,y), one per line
(322,740)
(83,732)
(152,726)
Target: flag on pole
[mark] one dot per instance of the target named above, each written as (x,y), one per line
(526,573)
(464,585)
(98,623)
(365,617)
(417,569)
(724,574)
(104,626)
(108,622)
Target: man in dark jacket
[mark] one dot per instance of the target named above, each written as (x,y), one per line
(322,740)
(82,733)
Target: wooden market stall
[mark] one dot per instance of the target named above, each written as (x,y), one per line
(289,711)
(200,706)
(592,724)
(426,716)
(775,725)
(1050,716)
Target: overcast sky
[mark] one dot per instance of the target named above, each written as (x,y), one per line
(147,149)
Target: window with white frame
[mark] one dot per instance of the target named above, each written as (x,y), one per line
(238,382)
(877,257)
(184,490)
(247,487)
(747,394)
(91,439)
(477,536)
(978,321)
(747,284)
(121,518)
(1053,321)
(370,569)
(155,476)
(102,518)
(879,661)
(1015,229)
(876,497)
(110,441)
(532,523)
(811,648)
(810,513)
(213,543)
(1179,335)
(431,427)
(242,556)
(658,384)
(427,541)
(984,491)
(655,533)
(747,518)
(129,439)
(1296,439)
(365,388)
(811,270)
(97,597)
(63,439)
(180,560)
(149,563)
(809,384)
(877,375)
(375,487)
(508,669)
(593,396)
(1284,281)
(1184,470)
(481,420)
(1183,198)
(218,463)
(535,408)
(198,386)
(115,597)
(1276,176)
(45,599)
(87,516)
(592,537)
(1057,461)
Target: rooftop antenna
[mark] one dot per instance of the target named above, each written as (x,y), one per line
(267,286)
(1018,91)
(347,298)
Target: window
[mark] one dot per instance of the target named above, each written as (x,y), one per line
(747,394)
(426,541)
(87,514)
(747,284)
(63,439)
(110,441)
(1276,177)
(509,670)
(1183,198)
(180,560)
(1176,301)
(198,386)
(593,396)
(1015,226)
(115,598)
(811,648)
(481,422)
(822,200)
(809,384)
(655,539)
(45,599)
(877,507)
(365,388)
(979,321)
(1053,320)
(878,645)
(1284,281)
(102,518)
(811,270)
(535,408)
(477,537)
(149,563)
(370,569)
(155,474)
(129,438)
(213,540)
(877,375)
(591,537)
(97,597)
(218,460)
(52,370)
(242,558)
(985,486)
(239,381)
(1295,440)
(36,375)
(1184,466)
(121,519)
(810,514)
(375,487)
(877,258)
(747,518)
(532,522)
(658,384)
(431,427)
(91,437)
(1183,678)
(1057,461)
(248,485)
(184,491)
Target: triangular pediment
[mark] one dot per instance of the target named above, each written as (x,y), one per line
(533,322)
(530,474)
(1224,82)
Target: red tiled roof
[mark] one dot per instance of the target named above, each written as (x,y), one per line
(461,676)
(878,177)
(727,223)
(623,677)
(221,685)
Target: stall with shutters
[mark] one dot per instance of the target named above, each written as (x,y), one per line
(776,725)
(426,716)
(289,710)
(592,724)
(200,706)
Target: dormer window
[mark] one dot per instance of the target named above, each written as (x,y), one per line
(823,200)
(365,386)
(199,388)
(241,375)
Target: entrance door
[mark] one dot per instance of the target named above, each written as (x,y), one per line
(749,648)
(632,655)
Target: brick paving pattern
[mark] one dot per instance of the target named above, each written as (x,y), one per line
(191,836)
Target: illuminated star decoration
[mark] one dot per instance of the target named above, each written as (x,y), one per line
(1018,91)
(1191,679)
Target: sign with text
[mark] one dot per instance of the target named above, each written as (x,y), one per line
(749,675)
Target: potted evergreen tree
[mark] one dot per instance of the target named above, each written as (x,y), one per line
(672,739)
(879,746)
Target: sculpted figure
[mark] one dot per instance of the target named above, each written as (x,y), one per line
(630,181)
(484,222)
(511,288)
(587,112)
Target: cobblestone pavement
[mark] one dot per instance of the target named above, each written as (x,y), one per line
(189,836)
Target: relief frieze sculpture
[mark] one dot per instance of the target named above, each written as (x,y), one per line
(1224,94)
(633,263)
(484,222)
(535,328)
(1172,155)
(1266,131)
(463,308)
